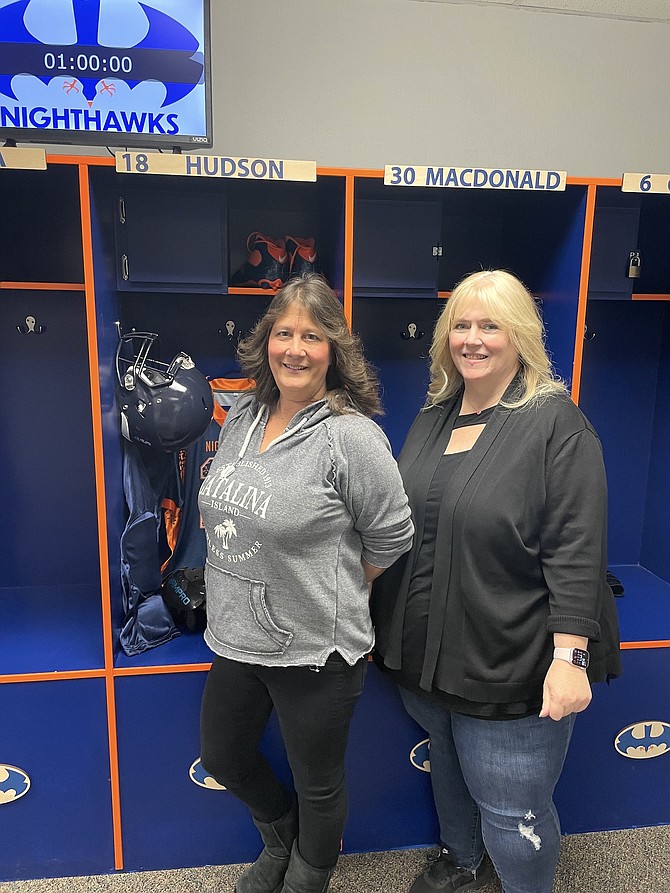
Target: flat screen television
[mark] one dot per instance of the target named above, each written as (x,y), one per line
(123,73)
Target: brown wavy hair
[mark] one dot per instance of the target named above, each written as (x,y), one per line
(351,382)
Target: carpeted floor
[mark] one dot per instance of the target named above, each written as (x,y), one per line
(608,862)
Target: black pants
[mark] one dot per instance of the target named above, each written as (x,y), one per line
(314,710)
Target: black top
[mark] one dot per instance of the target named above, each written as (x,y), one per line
(521,534)
(418,596)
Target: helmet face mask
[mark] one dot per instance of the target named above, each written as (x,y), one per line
(166,406)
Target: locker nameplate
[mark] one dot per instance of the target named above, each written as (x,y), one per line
(215,166)
(646,183)
(474,177)
(23,159)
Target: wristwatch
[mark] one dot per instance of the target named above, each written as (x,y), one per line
(578,657)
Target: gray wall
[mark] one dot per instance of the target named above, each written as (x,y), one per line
(363,83)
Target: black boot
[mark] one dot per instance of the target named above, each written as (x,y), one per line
(266,875)
(301,877)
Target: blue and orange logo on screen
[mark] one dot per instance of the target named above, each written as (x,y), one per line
(643,740)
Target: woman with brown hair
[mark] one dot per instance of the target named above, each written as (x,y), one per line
(303,506)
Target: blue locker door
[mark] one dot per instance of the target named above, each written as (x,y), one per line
(388,774)
(614,237)
(173,816)
(617,771)
(393,247)
(171,242)
(55,799)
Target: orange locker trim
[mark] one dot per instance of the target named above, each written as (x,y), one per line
(630,646)
(158,670)
(349,249)
(44,286)
(96,408)
(52,677)
(583,292)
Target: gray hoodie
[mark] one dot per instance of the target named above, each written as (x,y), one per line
(286,531)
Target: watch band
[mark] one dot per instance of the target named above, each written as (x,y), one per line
(578,657)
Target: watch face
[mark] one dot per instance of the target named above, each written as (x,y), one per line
(580,658)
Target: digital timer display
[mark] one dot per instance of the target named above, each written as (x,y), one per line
(88,63)
(100,72)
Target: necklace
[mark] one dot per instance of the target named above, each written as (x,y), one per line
(473,411)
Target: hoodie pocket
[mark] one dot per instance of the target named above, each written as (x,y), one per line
(238,615)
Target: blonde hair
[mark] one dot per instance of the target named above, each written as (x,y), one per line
(510,305)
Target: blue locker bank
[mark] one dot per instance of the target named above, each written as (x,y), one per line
(99,760)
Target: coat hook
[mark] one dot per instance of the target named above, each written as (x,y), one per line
(31,327)
(230,331)
(412,332)
(119,328)
(588,336)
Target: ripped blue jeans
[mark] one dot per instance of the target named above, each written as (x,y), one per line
(493,784)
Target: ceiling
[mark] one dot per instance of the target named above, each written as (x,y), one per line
(636,10)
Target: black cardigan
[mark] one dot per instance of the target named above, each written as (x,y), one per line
(520,553)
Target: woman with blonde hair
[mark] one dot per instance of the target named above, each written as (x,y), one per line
(498,620)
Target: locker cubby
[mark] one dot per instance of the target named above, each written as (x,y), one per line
(40,240)
(50,588)
(56,733)
(280,209)
(205,325)
(537,236)
(190,234)
(625,392)
(625,223)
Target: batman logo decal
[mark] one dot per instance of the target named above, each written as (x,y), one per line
(14,783)
(419,756)
(202,778)
(643,740)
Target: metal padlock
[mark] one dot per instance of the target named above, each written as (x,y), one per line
(634,265)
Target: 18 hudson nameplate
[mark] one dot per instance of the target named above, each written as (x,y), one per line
(215,166)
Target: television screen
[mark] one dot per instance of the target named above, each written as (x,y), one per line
(128,73)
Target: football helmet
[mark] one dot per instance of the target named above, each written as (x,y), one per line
(163,405)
